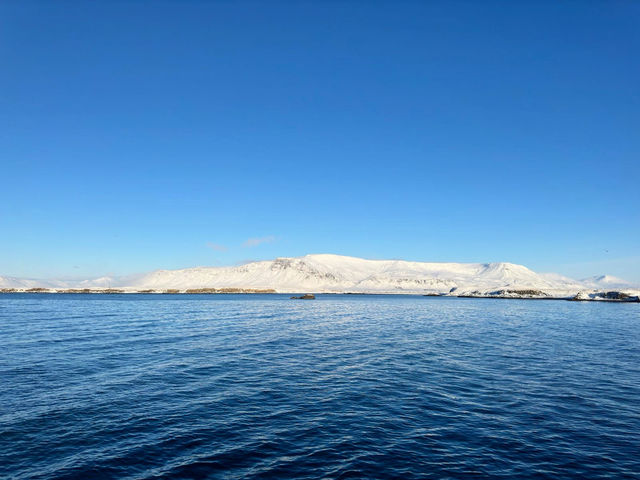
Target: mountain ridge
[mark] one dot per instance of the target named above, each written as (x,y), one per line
(329,273)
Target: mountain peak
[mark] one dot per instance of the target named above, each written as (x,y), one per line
(603,281)
(326,272)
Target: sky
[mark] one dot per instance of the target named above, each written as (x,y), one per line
(145,135)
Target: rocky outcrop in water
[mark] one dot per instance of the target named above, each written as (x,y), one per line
(307,296)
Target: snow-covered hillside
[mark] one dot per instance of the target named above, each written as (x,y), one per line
(340,274)
(605,282)
(25,283)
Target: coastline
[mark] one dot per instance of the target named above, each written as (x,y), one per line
(594,296)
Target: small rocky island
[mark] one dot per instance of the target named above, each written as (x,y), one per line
(307,296)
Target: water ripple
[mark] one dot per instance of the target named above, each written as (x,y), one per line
(249,386)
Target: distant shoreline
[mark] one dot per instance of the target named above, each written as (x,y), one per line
(329,273)
(607,297)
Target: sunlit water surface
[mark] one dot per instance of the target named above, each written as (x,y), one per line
(250,386)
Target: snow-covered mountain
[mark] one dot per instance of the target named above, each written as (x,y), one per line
(25,283)
(340,274)
(606,282)
(333,273)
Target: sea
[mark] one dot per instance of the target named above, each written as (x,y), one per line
(139,386)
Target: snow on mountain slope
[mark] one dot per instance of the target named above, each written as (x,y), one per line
(606,281)
(24,283)
(12,282)
(334,273)
(340,274)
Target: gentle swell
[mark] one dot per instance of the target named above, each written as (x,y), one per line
(249,386)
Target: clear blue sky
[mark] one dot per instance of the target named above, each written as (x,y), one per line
(136,136)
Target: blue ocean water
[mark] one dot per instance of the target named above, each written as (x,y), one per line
(260,386)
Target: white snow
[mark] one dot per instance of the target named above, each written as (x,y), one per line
(606,281)
(341,274)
